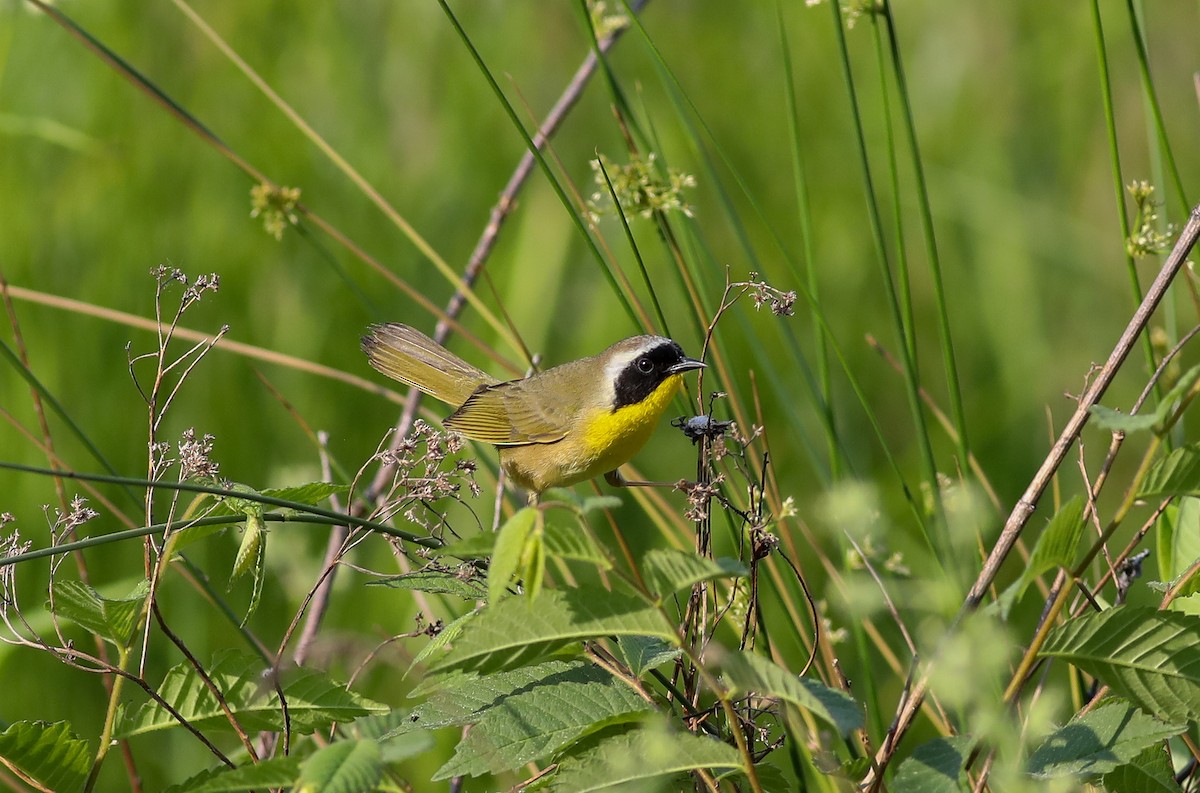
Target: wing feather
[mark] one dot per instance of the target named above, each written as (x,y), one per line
(405,354)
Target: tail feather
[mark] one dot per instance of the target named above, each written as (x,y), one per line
(405,354)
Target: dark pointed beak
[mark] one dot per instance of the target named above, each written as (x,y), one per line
(685,365)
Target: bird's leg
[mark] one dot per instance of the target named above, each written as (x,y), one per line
(615,479)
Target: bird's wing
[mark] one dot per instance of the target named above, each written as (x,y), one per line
(511,414)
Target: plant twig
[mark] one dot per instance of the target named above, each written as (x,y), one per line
(1026,505)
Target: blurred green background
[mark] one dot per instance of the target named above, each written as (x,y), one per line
(98,185)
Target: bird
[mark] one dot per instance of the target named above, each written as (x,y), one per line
(555,428)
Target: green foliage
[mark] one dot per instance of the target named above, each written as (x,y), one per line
(275,772)
(342,767)
(517,546)
(112,619)
(574,648)
(1149,772)
(522,716)
(1056,547)
(1111,736)
(750,672)
(1116,421)
(1177,474)
(640,755)
(51,754)
(513,632)
(668,570)
(935,767)
(1148,656)
(313,700)
(442,582)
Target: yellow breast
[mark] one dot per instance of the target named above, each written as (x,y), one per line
(613,437)
(601,442)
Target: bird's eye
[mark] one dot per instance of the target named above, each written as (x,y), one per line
(645,365)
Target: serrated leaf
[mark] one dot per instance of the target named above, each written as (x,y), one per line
(342,767)
(638,755)
(509,552)
(1149,772)
(570,542)
(1056,546)
(748,672)
(1115,421)
(510,633)
(310,494)
(314,701)
(112,619)
(667,570)
(934,767)
(536,719)
(476,546)
(462,583)
(1177,474)
(643,653)
(390,730)
(275,772)
(1150,657)
(1099,742)
(51,754)
(443,640)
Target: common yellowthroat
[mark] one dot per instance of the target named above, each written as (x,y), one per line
(554,428)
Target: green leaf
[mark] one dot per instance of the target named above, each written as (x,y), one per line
(477,546)
(1177,474)
(533,563)
(643,653)
(571,542)
(1056,546)
(112,619)
(1150,657)
(252,558)
(596,503)
(1099,742)
(748,672)
(390,730)
(535,718)
(275,772)
(1178,538)
(342,767)
(313,700)
(439,643)
(667,570)
(509,633)
(934,767)
(51,754)
(511,542)
(1149,772)
(253,546)
(463,582)
(309,494)
(770,778)
(639,755)
(1115,421)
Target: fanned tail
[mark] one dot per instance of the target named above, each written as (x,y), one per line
(405,354)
